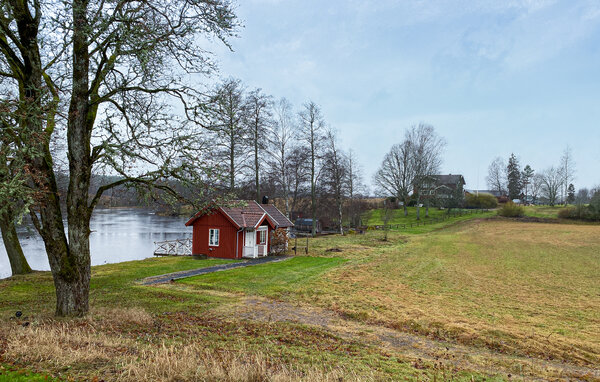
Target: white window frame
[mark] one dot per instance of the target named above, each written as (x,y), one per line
(211,236)
(260,233)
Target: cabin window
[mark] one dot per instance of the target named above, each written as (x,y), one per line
(213,237)
(262,237)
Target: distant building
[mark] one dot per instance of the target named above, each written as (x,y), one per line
(443,186)
(305,225)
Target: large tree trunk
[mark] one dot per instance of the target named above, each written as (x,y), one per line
(18,263)
(73,280)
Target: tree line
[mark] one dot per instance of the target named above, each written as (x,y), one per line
(265,147)
(552,185)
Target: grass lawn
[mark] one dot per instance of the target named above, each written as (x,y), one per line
(8,374)
(272,280)
(523,288)
(542,211)
(408,224)
(521,298)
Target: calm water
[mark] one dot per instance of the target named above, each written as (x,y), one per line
(117,235)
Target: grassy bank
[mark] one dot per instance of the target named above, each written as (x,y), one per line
(466,299)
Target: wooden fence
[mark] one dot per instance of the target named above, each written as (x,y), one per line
(179,247)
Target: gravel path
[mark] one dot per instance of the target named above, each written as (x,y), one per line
(161,279)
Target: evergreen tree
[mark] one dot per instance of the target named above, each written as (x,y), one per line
(526,179)
(513,174)
(571,193)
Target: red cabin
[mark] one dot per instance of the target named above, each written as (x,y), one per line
(236,232)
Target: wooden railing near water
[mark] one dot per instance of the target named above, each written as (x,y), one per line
(179,247)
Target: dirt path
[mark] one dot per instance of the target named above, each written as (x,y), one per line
(416,348)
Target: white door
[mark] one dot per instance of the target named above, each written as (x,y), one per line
(250,238)
(249,244)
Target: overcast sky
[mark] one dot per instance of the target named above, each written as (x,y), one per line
(493,77)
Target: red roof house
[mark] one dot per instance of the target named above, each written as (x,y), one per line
(243,230)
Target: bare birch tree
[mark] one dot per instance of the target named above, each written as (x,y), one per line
(567,168)
(311,126)
(335,174)
(356,186)
(281,140)
(259,123)
(227,116)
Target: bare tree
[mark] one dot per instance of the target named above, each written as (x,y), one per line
(259,114)
(122,76)
(567,168)
(496,175)
(310,132)
(426,149)
(227,114)
(552,179)
(536,186)
(299,174)
(15,195)
(335,174)
(356,186)
(281,140)
(396,173)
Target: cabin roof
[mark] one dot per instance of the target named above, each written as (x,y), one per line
(281,221)
(243,214)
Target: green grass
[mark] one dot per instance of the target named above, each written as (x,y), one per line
(272,279)
(410,224)
(542,211)
(10,374)
(111,285)
(526,289)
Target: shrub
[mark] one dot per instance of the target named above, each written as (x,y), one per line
(481,201)
(583,212)
(511,210)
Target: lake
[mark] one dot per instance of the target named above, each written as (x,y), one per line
(119,234)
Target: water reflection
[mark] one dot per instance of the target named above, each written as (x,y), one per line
(117,235)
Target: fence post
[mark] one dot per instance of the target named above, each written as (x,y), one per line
(306,245)
(296,245)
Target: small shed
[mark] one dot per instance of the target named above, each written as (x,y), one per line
(305,225)
(241,230)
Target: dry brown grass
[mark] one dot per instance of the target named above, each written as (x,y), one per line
(524,288)
(92,347)
(196,363)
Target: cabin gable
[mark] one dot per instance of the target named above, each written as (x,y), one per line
(227,236)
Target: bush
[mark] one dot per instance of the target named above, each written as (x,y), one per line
(582,212)
(481,201)
(511,210)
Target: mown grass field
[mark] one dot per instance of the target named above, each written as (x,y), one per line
(520,299)
(542,211)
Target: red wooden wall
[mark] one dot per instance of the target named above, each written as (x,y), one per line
(227,237)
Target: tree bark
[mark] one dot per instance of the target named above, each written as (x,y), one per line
(18,262)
